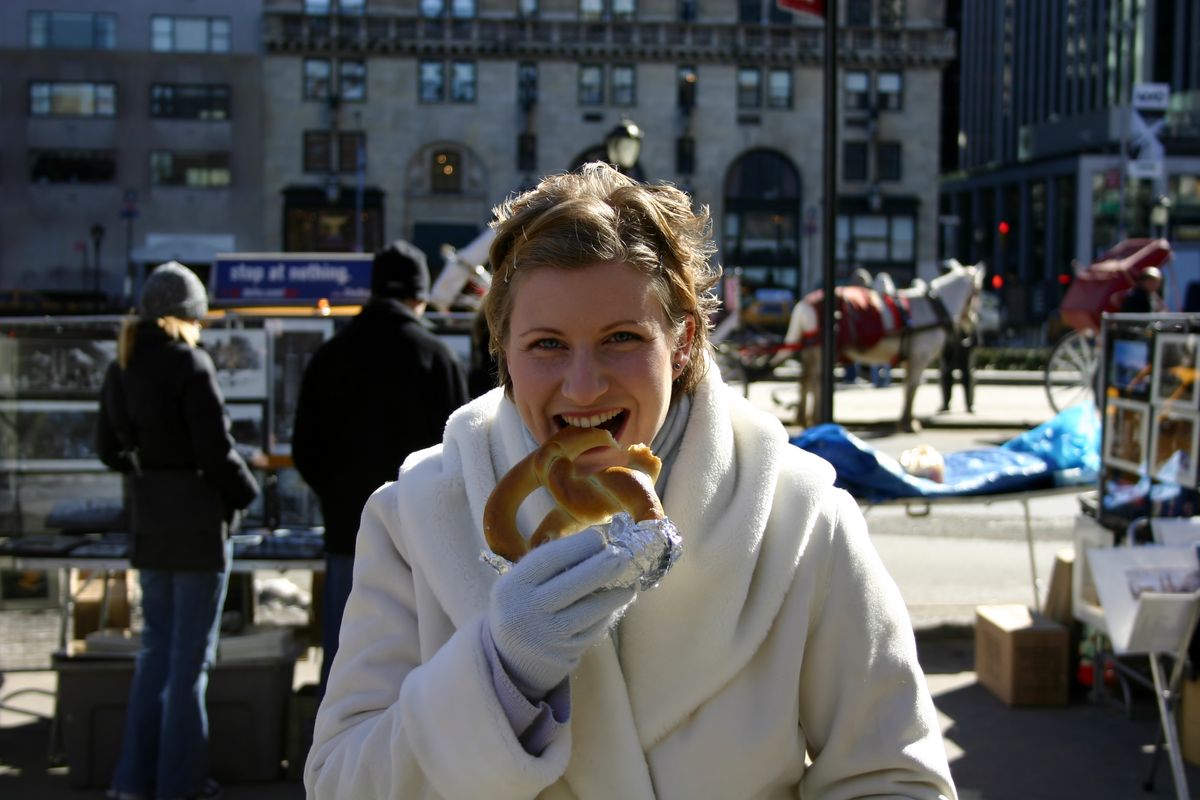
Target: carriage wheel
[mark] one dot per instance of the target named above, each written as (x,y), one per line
(1071,371)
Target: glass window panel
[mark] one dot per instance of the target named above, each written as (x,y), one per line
(462,9)
(316,6)
(842,236)
(528,8)
(191,35)
(888,81)
(903,233)
(219,42)
(433,8)
(72,166)
(352,80)
(72,99)
(591,9)
(39,29)
(889,157)
(161,34)
(351,144)
(624,9)
(749,88)
(445,174)
(889,86)
(316,78)
(352,8)
(591,85)
(856,82)
(432,82)
(527,84)
(106,31)
(462,82)
(858,13)
(74,31)
(39,99)
(316,151)
(106,100)
(624,85)
(854,161)
(779,88)
(871,226)
(750,11)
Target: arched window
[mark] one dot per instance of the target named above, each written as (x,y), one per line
(445,175)
(761,227)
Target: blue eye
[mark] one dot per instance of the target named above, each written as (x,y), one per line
(546,344)
(625,336)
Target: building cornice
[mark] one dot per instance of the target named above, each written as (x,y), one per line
(574,40)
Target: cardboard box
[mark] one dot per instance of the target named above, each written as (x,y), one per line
(247,707)
(1057,603)
(87,608)
(1020,656)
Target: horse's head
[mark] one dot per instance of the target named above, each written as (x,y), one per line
(961,289)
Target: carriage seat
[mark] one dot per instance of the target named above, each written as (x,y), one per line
(865,315)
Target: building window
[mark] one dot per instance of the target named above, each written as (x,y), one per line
(762,12)
(352,8)
(63,99)
(317,8)
(317,76)
(198,170)
(352,80)
(189,101)
(591,10)
(317,155)
(189,34)
(527,84)
(597,10)
(891,13)
(888,155)
(591,85)
(69,30)
(779,88)
(875,238)
(858,90)
(624,10)
(462,9)
(462,82)
(527,8)
(431,77)
(624,85)
(352,145)
(687,89)
(72,166)
(527,152)
(445,174)
(858,13)
(687,10)
(854,161)
(889,91)
(433,8)
(749,88)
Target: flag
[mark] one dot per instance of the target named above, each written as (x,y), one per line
(805,6)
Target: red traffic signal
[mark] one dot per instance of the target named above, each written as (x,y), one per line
(1003,227)
(997,281)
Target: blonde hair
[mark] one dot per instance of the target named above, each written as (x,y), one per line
(597,215)
(181,330)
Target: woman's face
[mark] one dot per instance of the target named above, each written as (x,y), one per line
(592,347)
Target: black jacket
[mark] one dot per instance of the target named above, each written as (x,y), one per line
(380,389)
(178,421)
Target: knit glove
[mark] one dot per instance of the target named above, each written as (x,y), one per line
(549,609)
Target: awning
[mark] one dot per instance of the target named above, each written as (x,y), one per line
(193,248)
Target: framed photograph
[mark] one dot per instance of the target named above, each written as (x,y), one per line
(1175,363)
(1124,496)
(48,435)
(1129,368)
(62,367)
(240,356)
(248,426)
(1126,434)
(293,342)
(28,588)
(1173,446)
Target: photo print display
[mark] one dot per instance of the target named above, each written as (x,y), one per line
(1129,368)
(1124,495)
(1126,434)
(293,342)
(1173,446)
(1175,364)
(54,367)
(48,434)
(240,357)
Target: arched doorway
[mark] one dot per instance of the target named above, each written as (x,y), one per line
(760,231)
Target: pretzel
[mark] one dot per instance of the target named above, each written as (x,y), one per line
(581,501)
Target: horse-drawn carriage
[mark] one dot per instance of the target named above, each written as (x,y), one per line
(1101,288)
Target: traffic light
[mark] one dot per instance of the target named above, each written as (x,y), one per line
(1003,228)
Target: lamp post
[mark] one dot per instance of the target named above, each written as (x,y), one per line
(1160,217)
(623,144)
(97,231)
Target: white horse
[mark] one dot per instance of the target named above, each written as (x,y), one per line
(934,309)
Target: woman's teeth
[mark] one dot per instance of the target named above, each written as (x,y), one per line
(592,421)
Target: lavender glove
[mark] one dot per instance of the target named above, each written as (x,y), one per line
(549,609)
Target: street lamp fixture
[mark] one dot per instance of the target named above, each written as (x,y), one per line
(624,144)
(1160,215)
(333,189)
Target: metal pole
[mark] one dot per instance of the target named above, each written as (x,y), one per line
(361,168)
(828,334)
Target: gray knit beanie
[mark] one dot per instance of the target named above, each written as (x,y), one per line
(173,290)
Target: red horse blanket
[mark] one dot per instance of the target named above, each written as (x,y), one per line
(863,315)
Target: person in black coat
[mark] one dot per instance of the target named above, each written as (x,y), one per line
(380,389)
(162,415)
(1144,297)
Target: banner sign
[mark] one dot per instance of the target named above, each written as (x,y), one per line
(291,277)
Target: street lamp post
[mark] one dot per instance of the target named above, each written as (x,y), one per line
(623,144)
(97,232)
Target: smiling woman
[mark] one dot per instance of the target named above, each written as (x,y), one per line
(578,671)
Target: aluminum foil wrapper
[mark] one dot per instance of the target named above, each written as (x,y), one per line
(652,547)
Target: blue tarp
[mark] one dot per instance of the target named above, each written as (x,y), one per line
(1062,452)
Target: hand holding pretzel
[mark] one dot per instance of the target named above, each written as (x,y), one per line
(581,501)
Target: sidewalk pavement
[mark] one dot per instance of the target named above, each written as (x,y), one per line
(1086,749)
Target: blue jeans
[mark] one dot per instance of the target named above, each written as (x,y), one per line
(164,751)
(339,576)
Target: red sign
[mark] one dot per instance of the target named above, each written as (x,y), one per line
(806,6)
